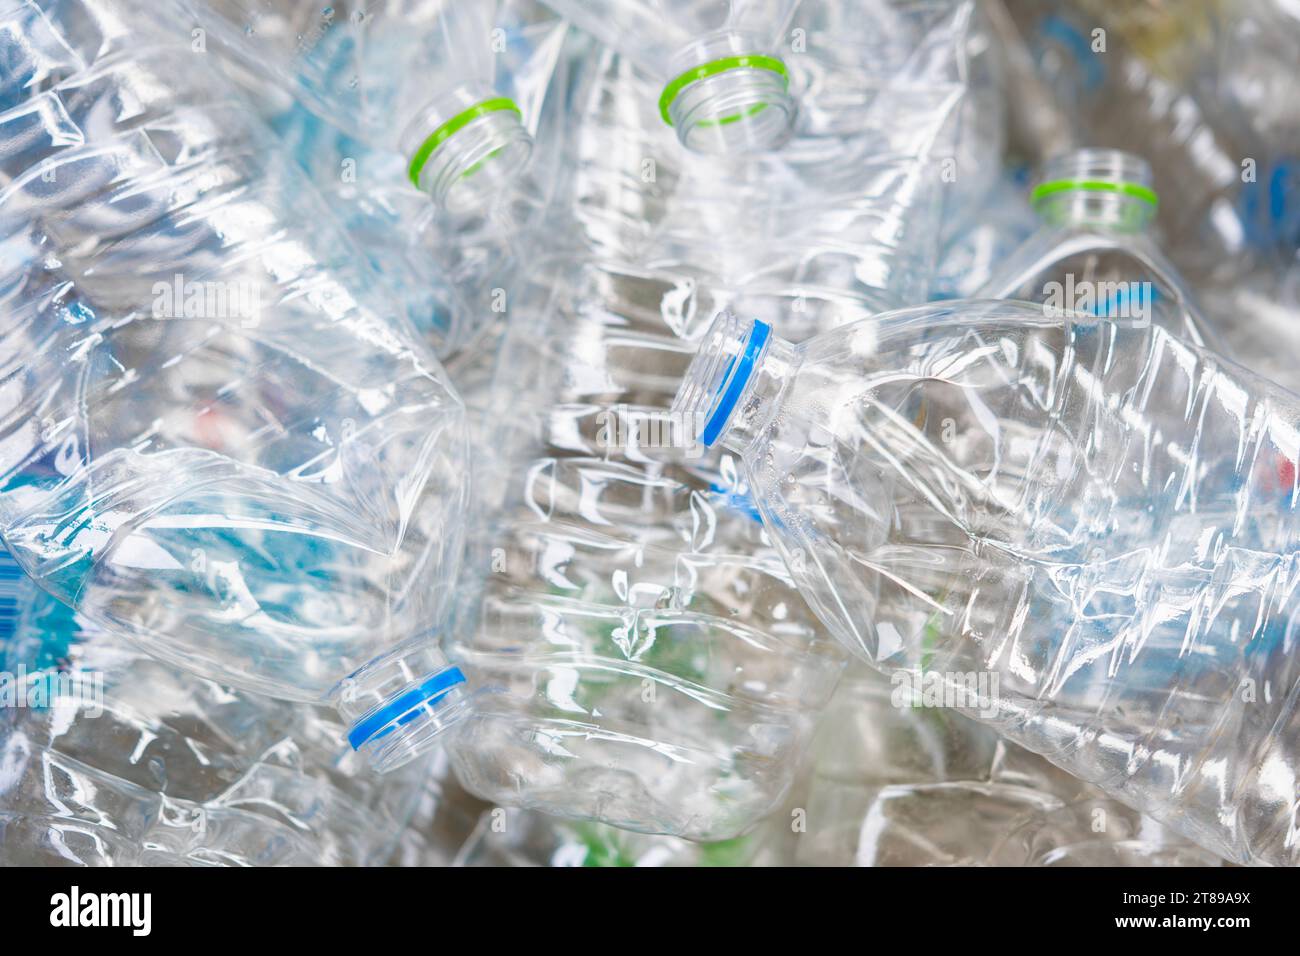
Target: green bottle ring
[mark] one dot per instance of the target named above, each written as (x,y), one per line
(1136,190)
(753,61)
(451,128)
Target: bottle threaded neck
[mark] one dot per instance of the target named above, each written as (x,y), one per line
(1105,187)
(720,375)
(399,706)
(466,148)
(727,96)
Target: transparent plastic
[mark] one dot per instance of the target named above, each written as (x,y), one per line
(726,89)
(644,659)
(125,762)
(213,439)
(1104,92)
(898,781)
(450,273)
(1096,520)
(1094,252)
(414,76)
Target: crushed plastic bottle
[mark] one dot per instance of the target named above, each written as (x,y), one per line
(451,274)
(1093,252)
(656,672)
(1083,530)
(903,783)
(408,76)
(216,442)
(724,88)
(111,758)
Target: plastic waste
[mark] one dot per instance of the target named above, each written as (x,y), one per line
(451,274)
(1082,530)
(215,442)
(416,77)
(725,87)
(114,759)
(1093,251)
(656,670)
(902,781)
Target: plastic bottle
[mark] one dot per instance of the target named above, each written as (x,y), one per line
(1110,96)
(451,274)
(1084,531)
(417,77)
(1093,251)
(215,442)
(901,781)
(644,660)
(112,758)
(725,88)
(631,611)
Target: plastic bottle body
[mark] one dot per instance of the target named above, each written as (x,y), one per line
(644,658)
(1094,519)
(114,759)
(218,444)
(417,77)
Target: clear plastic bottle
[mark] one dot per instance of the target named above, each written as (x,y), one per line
(1107,94)
(899,782)
(1093,251)
(652,666)
(725,88)
(216,442)
(632,613)
(1093,522)
(417,77)
(452,274)
(113,759)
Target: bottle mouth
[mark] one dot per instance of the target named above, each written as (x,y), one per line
(472,156)
(400,706)
(1107,185)
(733,104)
(719,374)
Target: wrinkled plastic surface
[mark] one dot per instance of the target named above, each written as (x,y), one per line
(656,670)
(898,783)
(1098,518)
(135,763)
(214,440)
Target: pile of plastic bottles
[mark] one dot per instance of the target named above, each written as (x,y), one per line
(649,432)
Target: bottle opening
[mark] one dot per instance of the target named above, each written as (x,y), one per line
(398,707)
(733,104)
(472,156)
(1102,186)
(720,373)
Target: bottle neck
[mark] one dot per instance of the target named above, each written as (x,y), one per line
(466,147)
(1101,208)
(400,706)
(735,383)
(1100,188)
(728,95)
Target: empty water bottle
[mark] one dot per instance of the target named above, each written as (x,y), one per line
(417,77)
(1093,252)
(214,440)
(1087,530)
(111,758)
(725,89)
